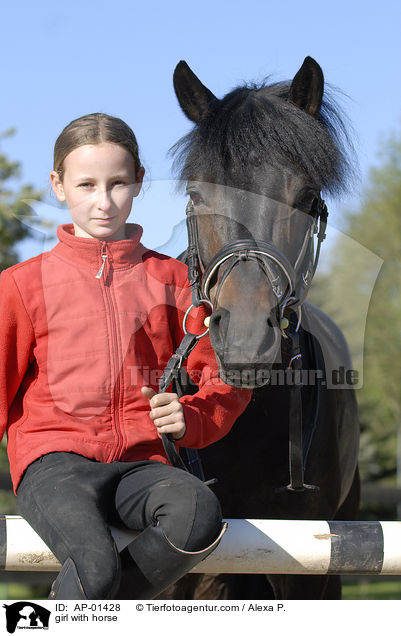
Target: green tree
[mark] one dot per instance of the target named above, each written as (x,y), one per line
(13,211)
(13,207)
(348,286)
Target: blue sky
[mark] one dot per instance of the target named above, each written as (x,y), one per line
(66,60)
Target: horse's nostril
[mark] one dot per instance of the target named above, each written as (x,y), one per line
(269,322)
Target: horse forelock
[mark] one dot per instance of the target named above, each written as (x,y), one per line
(257,124)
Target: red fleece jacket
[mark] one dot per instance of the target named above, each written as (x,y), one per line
(78,342)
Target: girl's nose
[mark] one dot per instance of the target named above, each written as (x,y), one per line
(104,199)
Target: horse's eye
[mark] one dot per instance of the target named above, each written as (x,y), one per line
(195,197)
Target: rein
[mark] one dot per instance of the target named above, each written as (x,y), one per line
(171,375)
(282,277)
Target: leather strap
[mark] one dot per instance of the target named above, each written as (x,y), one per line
(175,363)
(295,448)
(275,265)
(169,374)
(266,253)
(295,418)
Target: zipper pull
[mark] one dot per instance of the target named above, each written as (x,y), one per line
(104,256)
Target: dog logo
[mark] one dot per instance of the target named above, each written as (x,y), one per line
(26,615)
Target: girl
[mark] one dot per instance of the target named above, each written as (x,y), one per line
(86,330)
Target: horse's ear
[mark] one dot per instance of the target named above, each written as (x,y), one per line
(307,87)
(194,97)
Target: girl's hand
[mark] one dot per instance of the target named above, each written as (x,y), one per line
(166,412)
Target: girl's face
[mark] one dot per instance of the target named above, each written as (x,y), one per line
(98,186)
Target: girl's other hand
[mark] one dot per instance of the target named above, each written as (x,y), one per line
(166,412)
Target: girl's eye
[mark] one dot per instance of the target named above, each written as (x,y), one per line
(89,185)
(195,198)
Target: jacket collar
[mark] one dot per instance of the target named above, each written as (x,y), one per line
(88,251)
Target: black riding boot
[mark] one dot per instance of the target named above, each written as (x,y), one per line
(67,585)
(151,563)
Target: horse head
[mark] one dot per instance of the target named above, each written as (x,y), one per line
(255,165)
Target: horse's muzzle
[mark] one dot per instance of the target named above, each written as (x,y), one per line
(245,350)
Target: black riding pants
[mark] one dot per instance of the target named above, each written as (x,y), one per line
(70,500)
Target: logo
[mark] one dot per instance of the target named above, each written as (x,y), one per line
(26,615)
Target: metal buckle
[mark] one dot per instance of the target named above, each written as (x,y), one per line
(184,321)
(297,309)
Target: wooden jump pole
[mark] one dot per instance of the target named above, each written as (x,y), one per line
(268,546)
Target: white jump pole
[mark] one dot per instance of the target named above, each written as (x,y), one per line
(267,546)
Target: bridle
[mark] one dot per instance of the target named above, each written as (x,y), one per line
(289,284)
(288,287)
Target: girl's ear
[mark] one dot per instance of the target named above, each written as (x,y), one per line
(57,186)
(139,179)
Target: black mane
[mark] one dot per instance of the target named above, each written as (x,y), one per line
(257,124)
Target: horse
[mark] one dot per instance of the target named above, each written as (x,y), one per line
(255,164)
